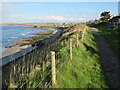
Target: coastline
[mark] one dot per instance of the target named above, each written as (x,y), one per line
(42,28)
(17,48)
(12,50)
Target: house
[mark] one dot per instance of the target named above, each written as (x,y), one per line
(115,19)
(114,22)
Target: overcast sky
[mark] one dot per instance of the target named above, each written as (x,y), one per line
(23,12)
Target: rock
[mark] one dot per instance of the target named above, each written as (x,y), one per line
(8,46)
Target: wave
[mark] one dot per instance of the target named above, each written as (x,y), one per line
(23,34)
(14,37)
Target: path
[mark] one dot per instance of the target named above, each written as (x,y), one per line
(109,60)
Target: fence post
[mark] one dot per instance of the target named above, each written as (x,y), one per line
(62,43)
(83,34)
(71,48)
(77,41)
(53,68)
(11,75)
(43,65)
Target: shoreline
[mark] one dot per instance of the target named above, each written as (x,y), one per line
(13,50)
(41,28)
(17,48)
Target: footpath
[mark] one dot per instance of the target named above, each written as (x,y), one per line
(109,60)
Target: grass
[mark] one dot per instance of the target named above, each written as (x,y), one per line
(112,35)
(83,71)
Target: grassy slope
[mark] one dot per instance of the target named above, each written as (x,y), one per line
(112,35)
(84,71)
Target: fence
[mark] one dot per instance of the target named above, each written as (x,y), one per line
(44,57)
(113,24)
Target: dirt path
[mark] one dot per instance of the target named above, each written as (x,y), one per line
(109,60)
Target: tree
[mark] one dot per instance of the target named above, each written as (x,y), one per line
(105,16)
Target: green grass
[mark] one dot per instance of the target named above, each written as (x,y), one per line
(112,35)
(84,70)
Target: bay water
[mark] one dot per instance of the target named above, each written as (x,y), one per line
(16,33)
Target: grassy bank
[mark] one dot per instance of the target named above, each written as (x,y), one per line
(83,71)
(112,35)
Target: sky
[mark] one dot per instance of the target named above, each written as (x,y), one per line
(25,12)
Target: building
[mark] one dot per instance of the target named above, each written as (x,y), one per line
(115,19)
(114,22)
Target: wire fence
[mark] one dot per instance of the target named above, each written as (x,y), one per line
(35,69)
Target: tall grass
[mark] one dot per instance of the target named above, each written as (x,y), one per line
(84,70)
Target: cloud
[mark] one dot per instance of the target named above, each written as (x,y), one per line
(10,6)
(56,18)
(15,19)
(13,5)
(8,10)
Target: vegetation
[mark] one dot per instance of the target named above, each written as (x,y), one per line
(112,35)
(110,32)
(83,71)
(105,16)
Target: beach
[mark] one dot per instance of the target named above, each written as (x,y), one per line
(17,48)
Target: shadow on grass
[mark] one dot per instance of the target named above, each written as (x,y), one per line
(89,48)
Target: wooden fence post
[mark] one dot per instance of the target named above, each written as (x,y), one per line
(43,65)
(77,41)
(62,43)
(83,34)
(11,75)
(71,48)
(53,68)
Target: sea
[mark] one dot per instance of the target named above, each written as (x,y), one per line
(11,34)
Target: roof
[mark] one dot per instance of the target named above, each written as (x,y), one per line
(114,18)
